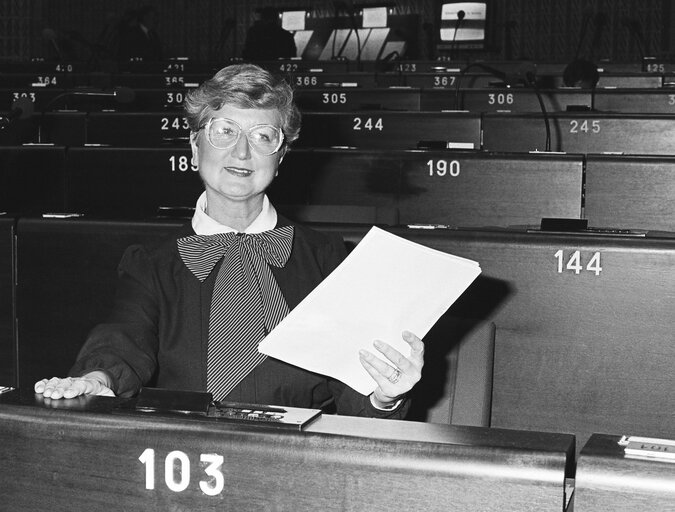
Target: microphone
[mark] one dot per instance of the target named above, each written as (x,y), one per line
(581,73)
(635,30)
(21,109)
(50,35)
(122,95)
(600,22)
(531,80)
(382,62)
(460,17)
(582,32)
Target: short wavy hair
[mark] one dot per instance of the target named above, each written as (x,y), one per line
(244,86)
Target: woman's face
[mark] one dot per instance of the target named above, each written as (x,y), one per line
(238,174)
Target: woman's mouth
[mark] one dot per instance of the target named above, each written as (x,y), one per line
(239,171)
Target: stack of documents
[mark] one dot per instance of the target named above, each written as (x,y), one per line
(386,285)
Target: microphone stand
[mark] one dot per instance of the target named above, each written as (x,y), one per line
(455,47)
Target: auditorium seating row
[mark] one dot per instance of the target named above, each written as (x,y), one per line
(186,65)
(395,72)
(454,188)
(448,95)
(319,78)
(571,132)
(562,332)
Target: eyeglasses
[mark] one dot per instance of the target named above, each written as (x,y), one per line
(223,133)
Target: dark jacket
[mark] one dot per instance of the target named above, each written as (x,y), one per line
(157,334)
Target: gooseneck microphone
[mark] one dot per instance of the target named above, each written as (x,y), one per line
(635,31)
(119,94)
(455,46)
(531,80)
(524,75)
(50,35)
(22,108)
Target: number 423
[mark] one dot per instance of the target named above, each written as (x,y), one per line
(574,262)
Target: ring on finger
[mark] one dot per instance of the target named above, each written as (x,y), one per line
(394,377)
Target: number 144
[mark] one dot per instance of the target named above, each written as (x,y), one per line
(575,264)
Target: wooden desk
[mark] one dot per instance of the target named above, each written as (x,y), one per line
(55,458)
(631,191)
(32,179)
(391,130)
(608,481)
(457,188)
(581,132)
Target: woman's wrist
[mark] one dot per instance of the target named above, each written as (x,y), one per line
(385,405)
(99,376)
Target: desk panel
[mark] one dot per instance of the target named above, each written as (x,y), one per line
(147,129)
(32,179)
(43,79)
(8,373)
(592,349)
(79,460)
(390,130)
(130,182)
(349,99)
(574,352)
(67,280)
(314,80)
(582,132)
(136,182)
(457,188)
(170,78)
(609,481)
(631,191)
(616,78)
(522,99)
(40,96)
(639,101)
(472,189)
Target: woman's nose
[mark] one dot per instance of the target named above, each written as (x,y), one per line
(241,149)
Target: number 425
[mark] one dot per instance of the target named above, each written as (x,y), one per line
(574,262)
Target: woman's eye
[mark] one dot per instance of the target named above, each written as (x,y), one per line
(225,132)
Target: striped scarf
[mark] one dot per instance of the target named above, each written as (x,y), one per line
(246,303)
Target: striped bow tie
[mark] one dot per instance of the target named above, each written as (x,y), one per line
(246,303)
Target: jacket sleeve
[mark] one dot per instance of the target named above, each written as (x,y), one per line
(125,345)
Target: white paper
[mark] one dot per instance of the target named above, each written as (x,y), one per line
(387,284)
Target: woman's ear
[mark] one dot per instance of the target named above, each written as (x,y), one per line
(283,152)
(195,148)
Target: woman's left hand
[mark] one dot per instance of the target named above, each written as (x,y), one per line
(397,376)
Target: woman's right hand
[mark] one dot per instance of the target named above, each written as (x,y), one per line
(94,383)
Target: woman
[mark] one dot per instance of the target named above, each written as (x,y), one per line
(190,312)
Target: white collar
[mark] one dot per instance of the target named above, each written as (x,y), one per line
(205,225)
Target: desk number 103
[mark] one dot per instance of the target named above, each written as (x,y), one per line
(177,471)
